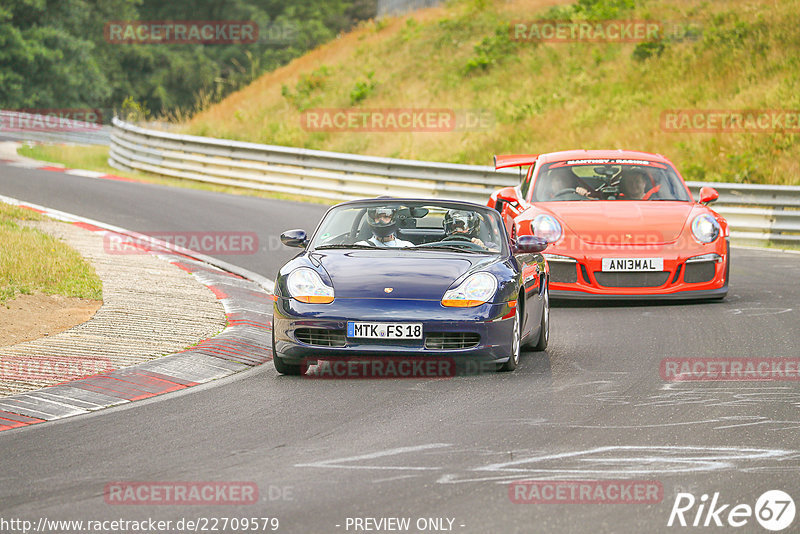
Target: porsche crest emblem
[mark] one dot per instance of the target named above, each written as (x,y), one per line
(388,289)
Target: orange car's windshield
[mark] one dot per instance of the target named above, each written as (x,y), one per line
(608,180)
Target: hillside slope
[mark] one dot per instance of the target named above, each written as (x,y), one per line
(545,96)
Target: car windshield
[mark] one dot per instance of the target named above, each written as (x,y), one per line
(423,225)
(608,180)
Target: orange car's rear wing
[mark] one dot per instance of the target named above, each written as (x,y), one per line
(514,160)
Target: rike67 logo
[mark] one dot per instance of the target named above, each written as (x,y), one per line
(774,510)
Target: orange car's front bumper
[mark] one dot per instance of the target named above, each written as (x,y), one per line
(682,277)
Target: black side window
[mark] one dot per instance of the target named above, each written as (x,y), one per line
(526,182)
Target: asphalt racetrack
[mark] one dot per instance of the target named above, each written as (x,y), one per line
(333,456)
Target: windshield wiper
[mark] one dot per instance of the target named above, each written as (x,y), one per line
(369,247)
(451,248)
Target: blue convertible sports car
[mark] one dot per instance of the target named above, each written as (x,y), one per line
(386,277)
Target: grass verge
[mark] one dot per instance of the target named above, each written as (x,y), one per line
(32,261)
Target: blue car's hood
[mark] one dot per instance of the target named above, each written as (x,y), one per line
(411,274)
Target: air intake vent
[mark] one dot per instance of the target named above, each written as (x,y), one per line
(322,337)
(451,340)
(699,272)
(563,272)
(632,279)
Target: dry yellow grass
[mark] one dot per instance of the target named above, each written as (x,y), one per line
(545,97)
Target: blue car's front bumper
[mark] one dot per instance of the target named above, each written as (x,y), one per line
(493,324)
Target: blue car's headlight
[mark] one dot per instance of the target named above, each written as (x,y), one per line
(705,228)
(477,289)
(546,227)
(306,285)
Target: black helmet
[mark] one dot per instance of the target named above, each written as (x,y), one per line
(380,227)
(461,222)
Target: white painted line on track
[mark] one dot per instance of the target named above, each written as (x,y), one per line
(85,173)
(380,454)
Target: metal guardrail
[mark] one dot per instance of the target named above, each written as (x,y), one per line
(33,127)
(398,7)
(329,175)
(756,213)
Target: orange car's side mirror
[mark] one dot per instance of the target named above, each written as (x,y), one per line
(708,195)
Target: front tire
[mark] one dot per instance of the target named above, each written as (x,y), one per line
(285,368)
(516,345)
(544,325)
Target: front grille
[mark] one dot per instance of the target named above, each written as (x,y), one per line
(322,337)
(451,340)
(701,271)
(632,279)
(563,272)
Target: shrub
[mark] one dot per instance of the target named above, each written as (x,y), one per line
(362,89)
(304,89)
(647,49)
(491,50)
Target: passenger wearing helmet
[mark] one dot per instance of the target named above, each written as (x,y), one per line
(383,222)
(465,225)
(636,185)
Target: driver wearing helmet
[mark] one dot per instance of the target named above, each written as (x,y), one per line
(465,225)
(563,181)
(383,222)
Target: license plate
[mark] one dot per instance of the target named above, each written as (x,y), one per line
(384,330)
(633,264)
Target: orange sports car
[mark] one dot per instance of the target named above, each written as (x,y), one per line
(620,224)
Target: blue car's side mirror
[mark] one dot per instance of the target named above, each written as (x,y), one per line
(529,244)
(294,238)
